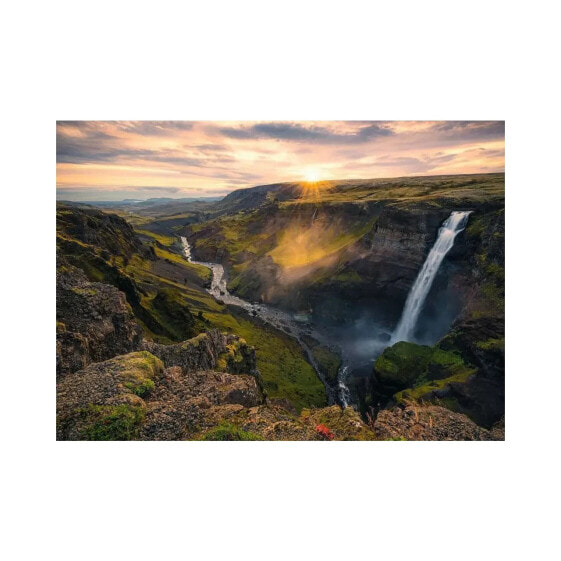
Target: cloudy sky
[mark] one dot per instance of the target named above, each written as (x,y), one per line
(112,160)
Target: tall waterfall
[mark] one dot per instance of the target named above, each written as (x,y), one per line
(453,225)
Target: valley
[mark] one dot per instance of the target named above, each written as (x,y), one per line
(314,277)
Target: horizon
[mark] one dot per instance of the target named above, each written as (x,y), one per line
(221,197)
(116,160)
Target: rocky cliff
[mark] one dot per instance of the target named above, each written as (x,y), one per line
(465,370)
(207,388)
(94,321)
(351,249)
(208,351)
(137,396)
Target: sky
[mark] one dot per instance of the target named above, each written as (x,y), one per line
(115,160)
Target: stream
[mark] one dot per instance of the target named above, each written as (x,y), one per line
(280,320)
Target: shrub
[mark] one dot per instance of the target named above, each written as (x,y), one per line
(324,432)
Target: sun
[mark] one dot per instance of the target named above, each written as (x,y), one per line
(311,175)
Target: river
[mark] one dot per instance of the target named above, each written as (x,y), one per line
(280,320)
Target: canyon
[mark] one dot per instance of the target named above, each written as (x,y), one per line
(315,278)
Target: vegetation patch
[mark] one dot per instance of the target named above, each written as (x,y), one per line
(411,371)
(328,361)
(492,344)
(160,238)
(425,389)
(341,424)
(228,431)
(142,388)
(137,371)
(111,422)
(280,360)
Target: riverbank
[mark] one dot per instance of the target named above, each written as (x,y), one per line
(278,319)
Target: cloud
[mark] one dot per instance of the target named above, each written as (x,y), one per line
(405,164)
(209,147)
(81,152)
(470,130)
(153,128)
(216,157)
(170,190)
(300,133)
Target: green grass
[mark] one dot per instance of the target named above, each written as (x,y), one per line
(160,238)
(281,361)
(492,344)
(141,389)
(328,362)
(410,371)
(111,422)
(203,273)
(302,244)
(227,432)
(462,374)
(408,189)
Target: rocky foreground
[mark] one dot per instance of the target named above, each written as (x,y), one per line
(114,385)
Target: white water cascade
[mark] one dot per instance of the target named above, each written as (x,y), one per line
(453,225)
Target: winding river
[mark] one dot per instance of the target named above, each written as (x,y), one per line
(280,320)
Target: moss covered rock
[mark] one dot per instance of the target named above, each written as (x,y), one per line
(418,369)
(107,394)
(134,396)
(212,350)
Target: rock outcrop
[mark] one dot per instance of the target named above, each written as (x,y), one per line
(184,395)
(429,422)
(94,321)
(208,351)
(107,231)
(103,402)
(135,396)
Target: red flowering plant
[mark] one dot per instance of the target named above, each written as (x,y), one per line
(324,432)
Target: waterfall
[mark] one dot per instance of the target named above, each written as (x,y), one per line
(452,226)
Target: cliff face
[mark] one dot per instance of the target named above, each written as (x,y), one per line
(350,257)
(377,272)
(106,249)
(94,321)
(465,370)
(478,334)
(208,351)
(340,260)
(94,227)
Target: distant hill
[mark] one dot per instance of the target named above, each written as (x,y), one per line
(422,188)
